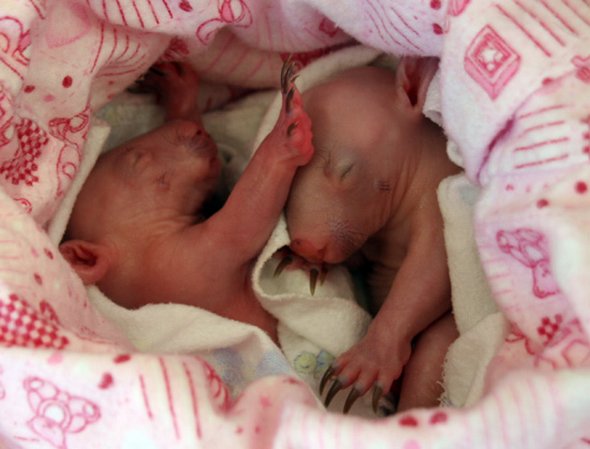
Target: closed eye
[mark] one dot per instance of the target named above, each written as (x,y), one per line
(346,170)
(337,163)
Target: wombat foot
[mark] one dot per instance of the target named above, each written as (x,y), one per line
(176,86)
(317,272)
(365,366)
(385,404)
(292,131)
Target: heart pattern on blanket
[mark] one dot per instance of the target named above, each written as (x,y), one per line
(185,6)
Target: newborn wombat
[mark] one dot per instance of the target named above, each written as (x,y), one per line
(370,190)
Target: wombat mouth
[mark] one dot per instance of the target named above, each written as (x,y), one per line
(215,201)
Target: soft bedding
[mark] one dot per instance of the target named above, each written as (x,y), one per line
(514,101)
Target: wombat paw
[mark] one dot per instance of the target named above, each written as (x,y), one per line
(287,259)
(293,125)
(176,86)
(382,404)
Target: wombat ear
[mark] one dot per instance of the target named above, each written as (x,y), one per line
(413,76)
(91,261)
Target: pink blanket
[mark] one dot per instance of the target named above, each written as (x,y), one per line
(515,77)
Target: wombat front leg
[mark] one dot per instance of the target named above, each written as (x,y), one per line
(418,297)
(254,206)
(176,87)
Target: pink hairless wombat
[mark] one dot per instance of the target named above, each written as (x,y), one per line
(140,231)
(370,190)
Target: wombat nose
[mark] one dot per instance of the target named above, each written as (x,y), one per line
(308,250)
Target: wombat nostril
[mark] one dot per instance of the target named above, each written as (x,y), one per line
(201,144)
(308,250)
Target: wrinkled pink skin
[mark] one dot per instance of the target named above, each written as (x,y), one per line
(135,230)
(369,193)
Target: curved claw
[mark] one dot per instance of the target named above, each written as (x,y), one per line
(327,375)
(286,73)
(141,86)
(377,393)
(316,275)
(351,399)
(313,280)
(289,100)
(287,260)
(389,404)
(334,389)
(283,73)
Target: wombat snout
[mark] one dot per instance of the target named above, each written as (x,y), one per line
(308,250)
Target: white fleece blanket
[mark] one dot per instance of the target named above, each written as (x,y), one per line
(514,95)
